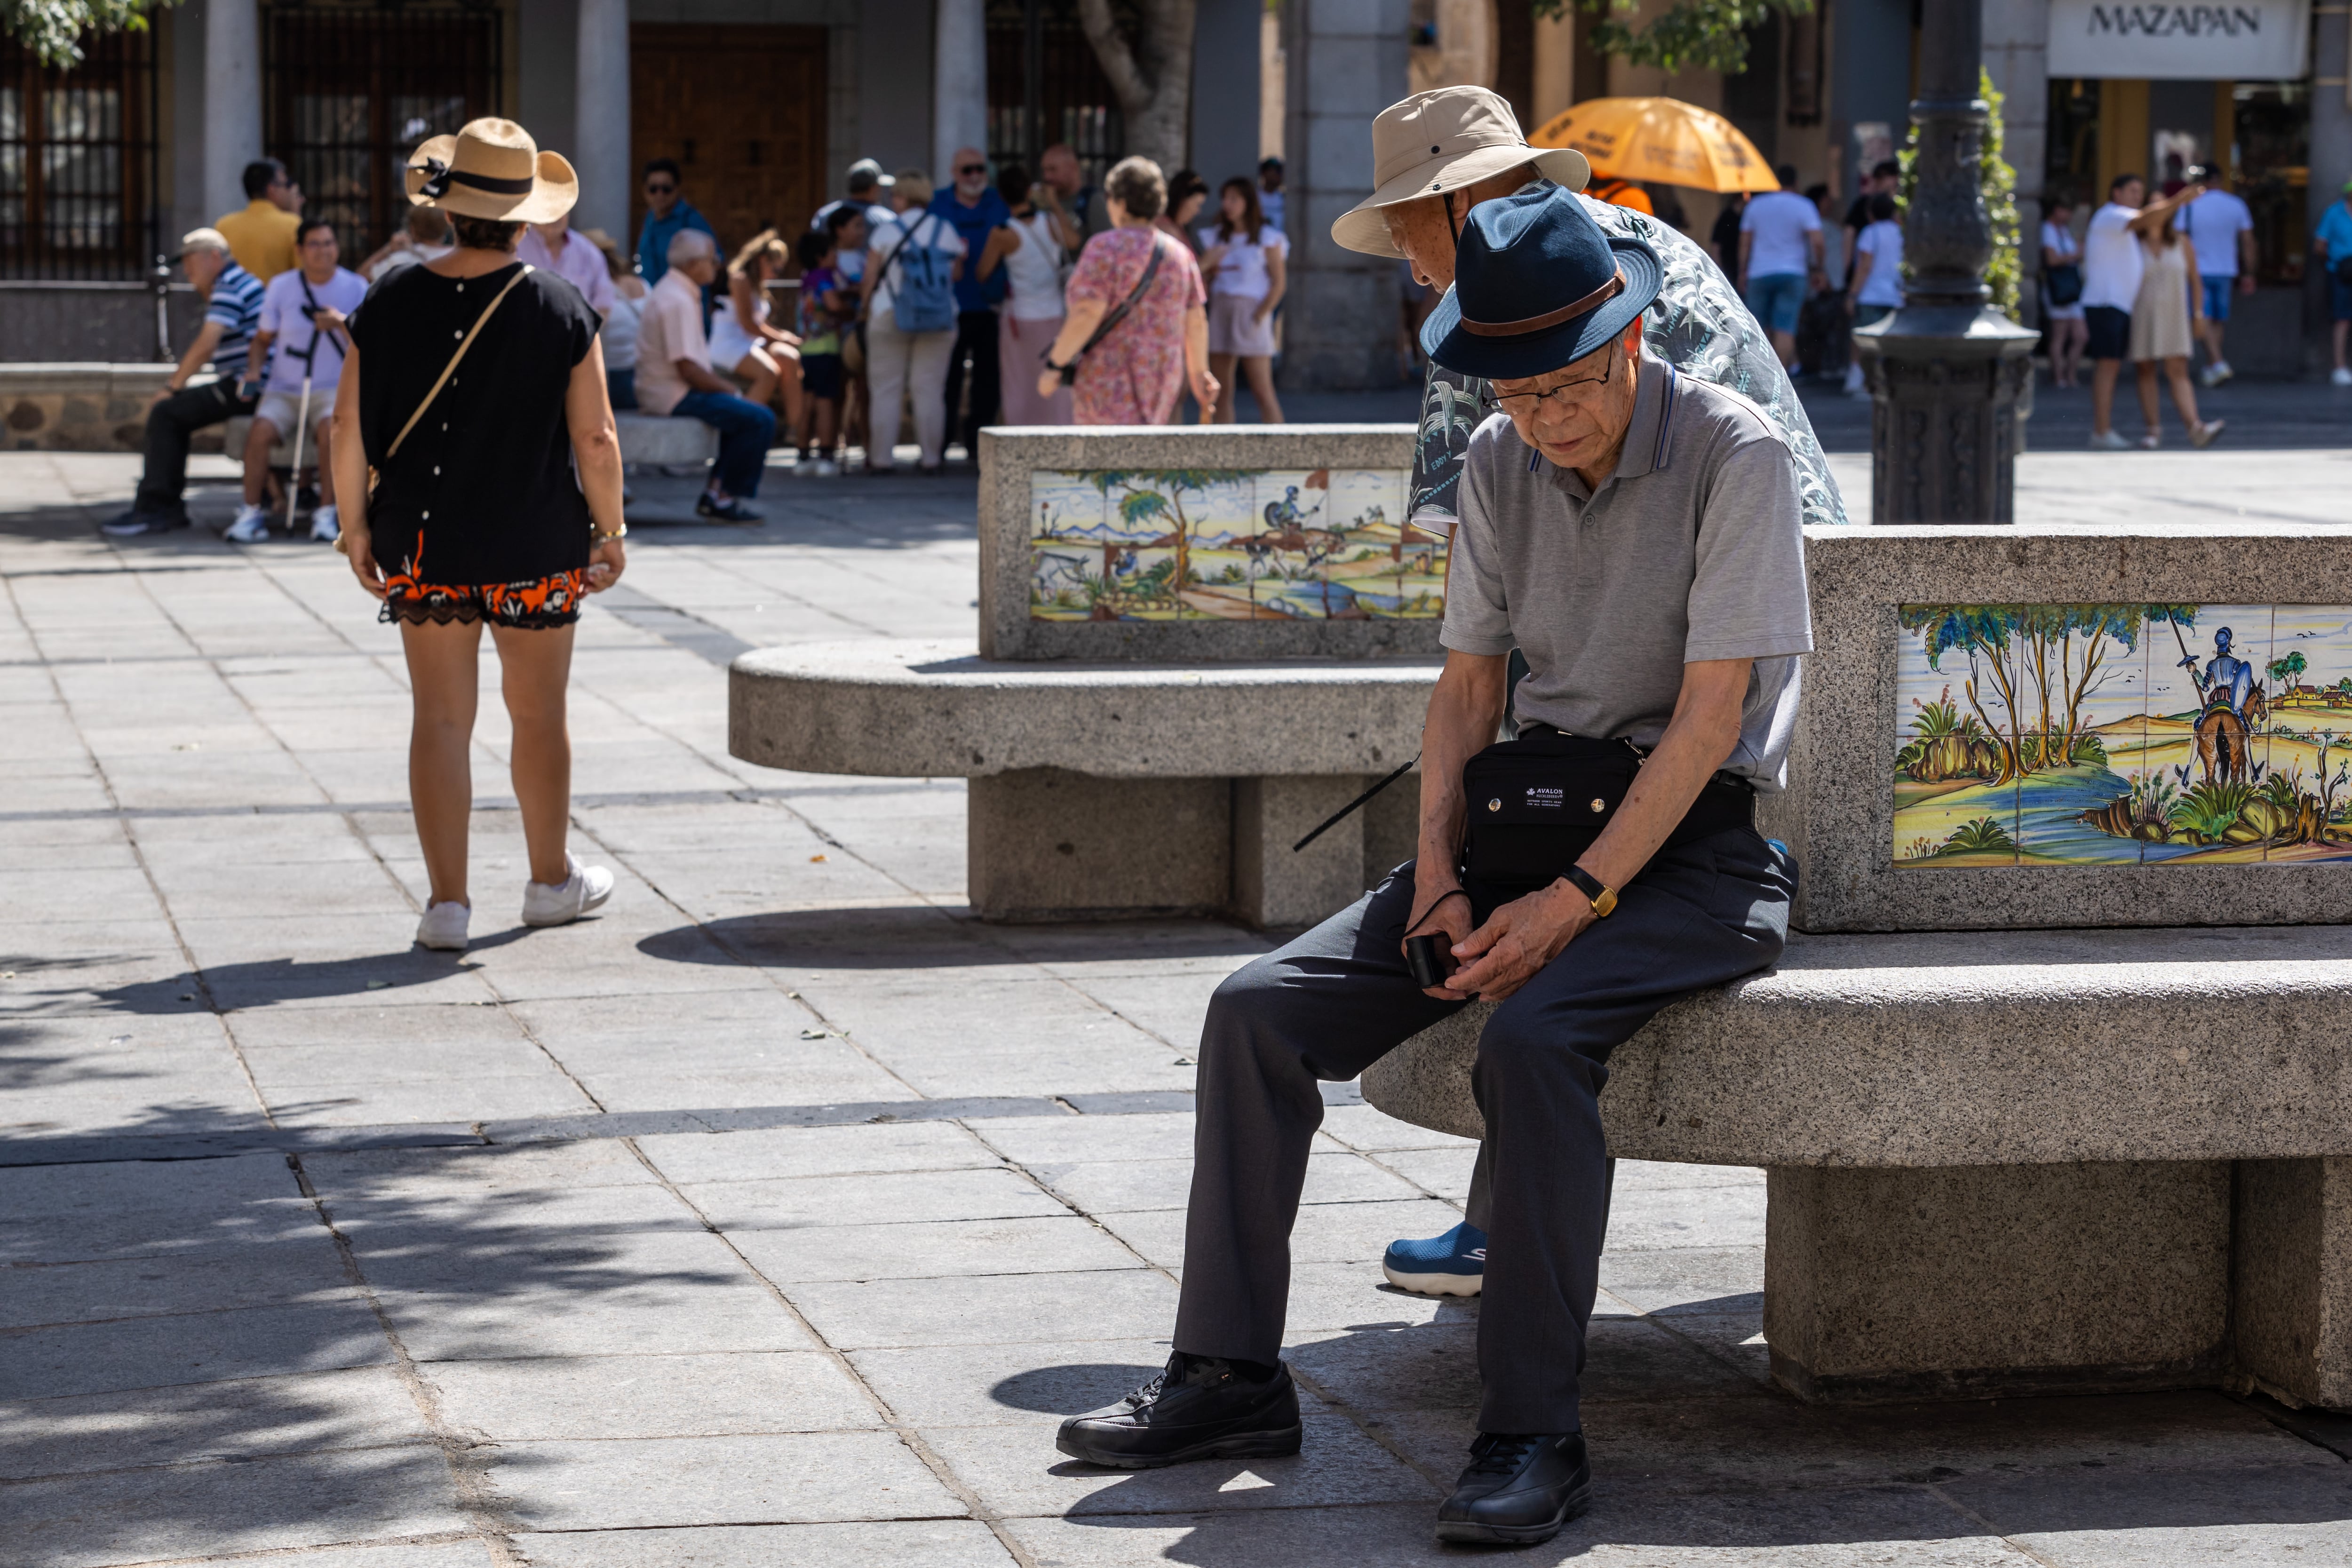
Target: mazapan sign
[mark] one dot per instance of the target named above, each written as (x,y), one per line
(2247,40)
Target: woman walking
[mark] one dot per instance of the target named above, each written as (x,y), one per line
(2161,333)
(1159,342)
(1248,260)
(1030,248)
(2062,292)
(743,344)
(481,394)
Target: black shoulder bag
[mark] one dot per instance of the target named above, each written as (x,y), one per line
(1536,803)
(1117,314)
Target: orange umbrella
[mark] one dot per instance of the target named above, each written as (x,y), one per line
(1663,140)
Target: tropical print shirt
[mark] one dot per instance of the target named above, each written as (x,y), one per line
(1697,324)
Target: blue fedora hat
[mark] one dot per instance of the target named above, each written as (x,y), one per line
(1537,285)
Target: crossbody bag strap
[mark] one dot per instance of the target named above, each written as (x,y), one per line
(447,370)
(882,274)
(1118,312)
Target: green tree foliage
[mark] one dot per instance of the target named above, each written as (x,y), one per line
(53,30)
(1998,184)
(2031,669)
(1691,34)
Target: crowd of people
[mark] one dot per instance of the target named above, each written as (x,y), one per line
(1005,298)
(1011,298)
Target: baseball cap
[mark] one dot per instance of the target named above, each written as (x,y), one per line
(207,238)
(866,171)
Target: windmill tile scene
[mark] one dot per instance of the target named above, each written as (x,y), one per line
(2123,734)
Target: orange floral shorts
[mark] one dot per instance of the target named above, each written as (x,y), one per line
(536,604)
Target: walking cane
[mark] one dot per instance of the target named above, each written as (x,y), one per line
(301,423)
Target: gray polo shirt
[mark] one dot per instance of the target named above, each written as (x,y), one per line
(1693,550)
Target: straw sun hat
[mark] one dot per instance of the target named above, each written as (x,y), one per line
(1442,140)
(492,169)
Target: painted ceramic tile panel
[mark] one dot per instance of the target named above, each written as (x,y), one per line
(2084,675)
(2155,734)
(1220,520)
(1227,544)
(2308,698)
(1066,528)
(2207,736)
(1955,784)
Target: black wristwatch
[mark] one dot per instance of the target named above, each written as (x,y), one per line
(1603,896)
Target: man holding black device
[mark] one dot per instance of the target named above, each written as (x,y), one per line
(1636,533)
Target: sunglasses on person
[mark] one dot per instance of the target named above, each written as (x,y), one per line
(971,168)
(661,189)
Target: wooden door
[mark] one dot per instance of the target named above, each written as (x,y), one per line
(743,110)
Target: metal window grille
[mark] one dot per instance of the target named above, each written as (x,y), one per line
(350,93)
(77,186)
(1045,85)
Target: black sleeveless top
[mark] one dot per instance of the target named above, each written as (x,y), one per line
(483,489)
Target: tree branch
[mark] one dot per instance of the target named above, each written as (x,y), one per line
(1118,60)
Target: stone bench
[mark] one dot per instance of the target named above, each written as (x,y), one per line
(648,439)
(2010,1162)
(660,441)
(1113,788)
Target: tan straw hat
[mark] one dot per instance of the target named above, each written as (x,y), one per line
(492,169)
(1442,140)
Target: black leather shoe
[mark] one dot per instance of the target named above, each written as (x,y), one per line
(1197,1408)
(1518,1490)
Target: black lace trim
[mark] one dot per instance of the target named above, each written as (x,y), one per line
(442,612)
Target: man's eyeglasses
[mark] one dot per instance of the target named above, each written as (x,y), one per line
(1567,394)
(971,168)
(662,189)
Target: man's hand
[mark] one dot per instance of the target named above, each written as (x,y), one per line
(1439,908)
(327,318)
(1519,939)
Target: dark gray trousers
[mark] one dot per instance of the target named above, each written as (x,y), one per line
(1338,998)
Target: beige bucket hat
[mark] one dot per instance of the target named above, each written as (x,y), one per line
(1442,140)
(492,169)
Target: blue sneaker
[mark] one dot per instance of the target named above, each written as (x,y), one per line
(1454,1264)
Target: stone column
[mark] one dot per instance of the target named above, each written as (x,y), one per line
(601,110)
(2292,1293)
(1986,1280)
(959,84)
(232,101)
(1346,61)
(1950,377)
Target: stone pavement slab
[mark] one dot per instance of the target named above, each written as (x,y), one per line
(777,1213)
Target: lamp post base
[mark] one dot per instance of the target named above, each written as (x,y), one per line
(1950,387)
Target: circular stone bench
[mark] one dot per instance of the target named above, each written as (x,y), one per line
(1115,788)
(2010,1162)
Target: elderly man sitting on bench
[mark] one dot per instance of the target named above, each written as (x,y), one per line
(675,377)
(1636,533)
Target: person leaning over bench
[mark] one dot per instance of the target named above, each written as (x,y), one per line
(1636,533)
(675,377)
(232,298)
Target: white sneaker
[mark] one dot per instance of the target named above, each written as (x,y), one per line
(584,888)
(2217,373)
(251,527)
(443,926)
(2110,442)
(2342,377)
(825,468)
(325,525)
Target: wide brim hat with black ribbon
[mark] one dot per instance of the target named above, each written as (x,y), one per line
(1442,140)
(492,169)
(1538,285)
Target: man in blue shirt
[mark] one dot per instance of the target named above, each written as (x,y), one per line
(666,211)
(977,211)
(232,298)
(2333,242)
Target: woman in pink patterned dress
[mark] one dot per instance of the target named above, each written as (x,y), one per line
(1136,373)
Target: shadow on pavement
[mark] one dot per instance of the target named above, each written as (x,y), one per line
(921,937)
